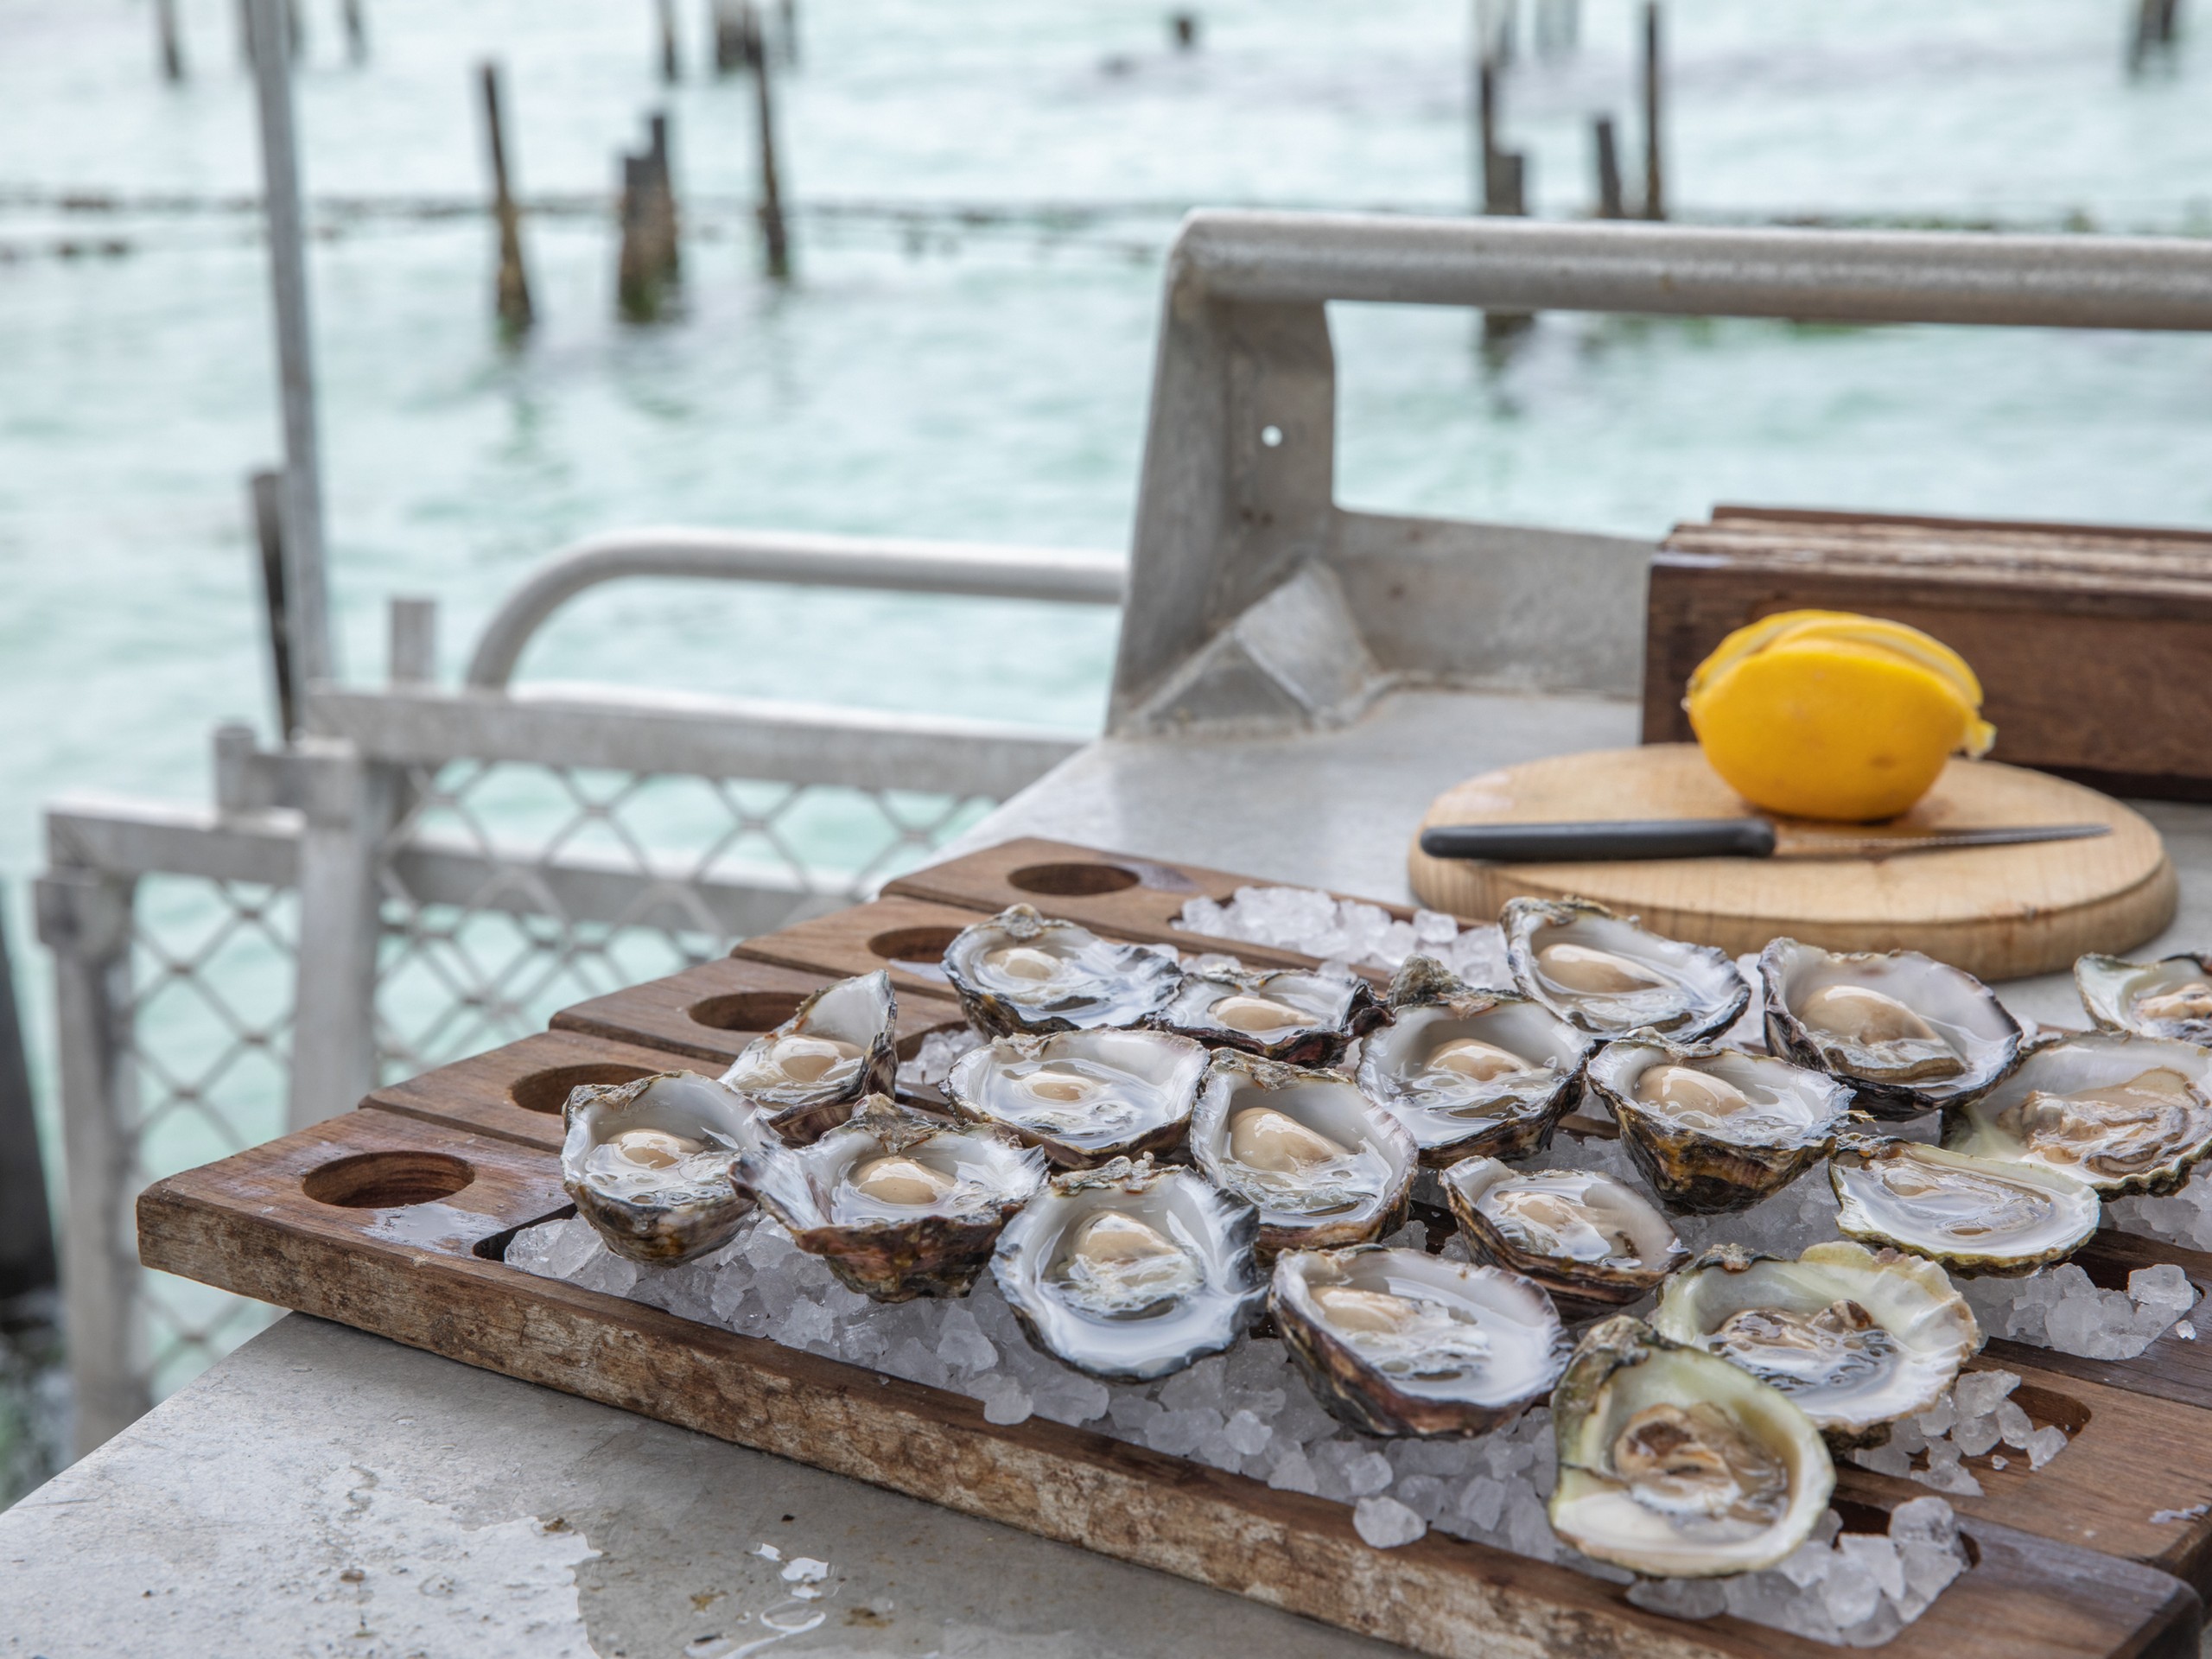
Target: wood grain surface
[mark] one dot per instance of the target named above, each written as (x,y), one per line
(2000,912)
(712,1010)
(2089,643)
(427,1273)
(907,936)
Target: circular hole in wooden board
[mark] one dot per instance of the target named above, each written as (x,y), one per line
(916,950)
(1073,881)
(549,1091)
(747,1010)
(386,1181)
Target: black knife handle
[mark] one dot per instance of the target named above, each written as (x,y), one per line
(1572,843)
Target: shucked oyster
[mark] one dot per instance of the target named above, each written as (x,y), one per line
(1083,1096)
(1021,972)
(1323,1166)
(1399,1342)
(1595,1244)
(1858,1340)
(2124,1114)
(1674,1463)
(1129,1273)
(897,1204)
(1469,1071)
(1906,1031)
(648,1163)
(1716,1129)
(1974,1215)
(808,1072)
(1290,1014)
(2171,997)
(1608,975)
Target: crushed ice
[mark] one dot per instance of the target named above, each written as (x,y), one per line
(1345,930)
(1246,1411)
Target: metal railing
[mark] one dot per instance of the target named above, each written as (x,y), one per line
(432,872)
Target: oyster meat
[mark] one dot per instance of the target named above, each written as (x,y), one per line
(2124,1114)
(1906,1031)
(1083,1096)
(1975,1216)
(1129,1273)
(1290,1014)
(898,1205)
(1714,1130)
(1595,1244)
(1676,1464)
(808,1072)
(1471,1071)
(1402,1342)
(1606,974)
(1859,1340)
(2171,997)
(1324,1165)
(648,1163)
(1022,972)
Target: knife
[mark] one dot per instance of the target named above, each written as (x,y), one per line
(1575,843)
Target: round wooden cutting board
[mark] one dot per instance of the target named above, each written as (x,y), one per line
(2000,912)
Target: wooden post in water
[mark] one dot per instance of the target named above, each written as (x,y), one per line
(1608,170)
(775,239)
(728,25)
(1503,187)
(265,503)
(787,31)
(512,293)
(672,70)
(1183,29)
(649,261)
(1655,190)
(172,49)
(661,199)
(357,33)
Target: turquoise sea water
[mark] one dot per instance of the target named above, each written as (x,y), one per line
(983,382)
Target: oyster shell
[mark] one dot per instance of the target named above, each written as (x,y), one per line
(2123,1114)
(1606,974)
(1715,1130)
(1595,1244)
(2171,997)
(1857,1339)
(648,1163)
(1289,1014)
(898,1204)
(1323,1164)
(1083,1096)
(1674,1463)
(1021,972)
(1402,1343)
(1975,1216)
(808,1072)
(1471,1071)
(1129,1273)
(1906,1031)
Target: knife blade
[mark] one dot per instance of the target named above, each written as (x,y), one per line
(1575,843)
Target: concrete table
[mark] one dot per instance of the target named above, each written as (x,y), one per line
(321,1491)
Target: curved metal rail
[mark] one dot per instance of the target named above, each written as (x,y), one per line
(916,567)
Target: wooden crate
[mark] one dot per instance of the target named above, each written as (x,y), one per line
(393,1219)
(2090,642)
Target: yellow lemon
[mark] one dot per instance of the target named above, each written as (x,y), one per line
(1825,714)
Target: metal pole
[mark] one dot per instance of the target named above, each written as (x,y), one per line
(305,588)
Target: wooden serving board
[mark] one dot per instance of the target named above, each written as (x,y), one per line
(396,1225)
(394,1220)
(2000,912)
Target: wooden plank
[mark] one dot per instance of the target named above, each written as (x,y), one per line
(713,1010)
(2130,618)
(516,1092)
(1117,895)
(2000,912)
(2173,1368)
(425,1273)
(906,936)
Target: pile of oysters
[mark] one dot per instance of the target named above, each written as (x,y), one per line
(1151,1162)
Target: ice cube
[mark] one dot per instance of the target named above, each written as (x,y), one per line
(1678,1598)
(1247,1432)
(1386,1523)
(1482,1501)
(2013,1425)
(1976,1435)
(1978,1392)
(1179,1433)
(2046,1444)
(1293,1472)
(1005,1401)
(1852,1590)
(1877,1556)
